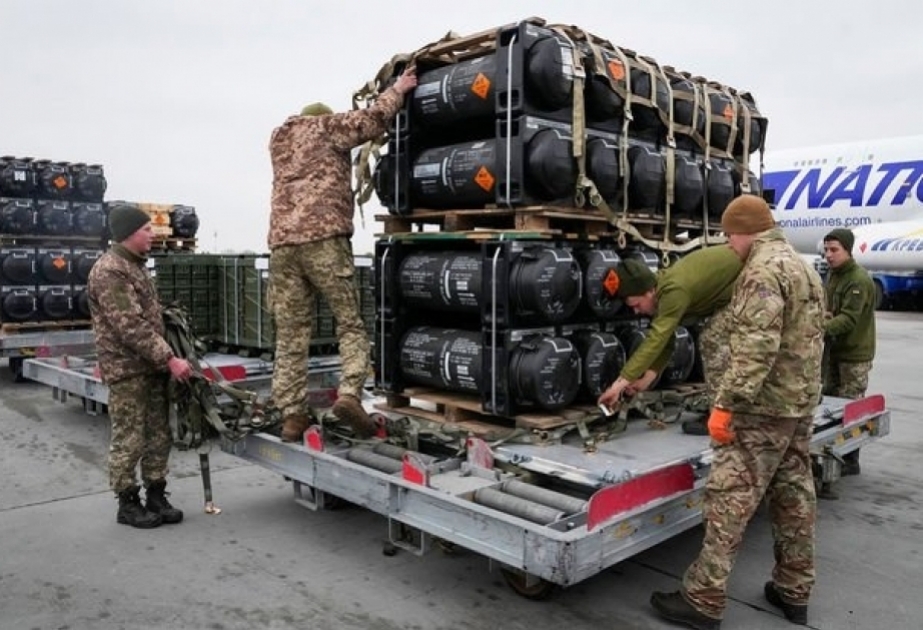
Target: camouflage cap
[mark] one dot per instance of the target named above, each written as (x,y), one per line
(635,278)
(316,109)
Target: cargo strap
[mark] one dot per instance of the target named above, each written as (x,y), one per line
(196,401)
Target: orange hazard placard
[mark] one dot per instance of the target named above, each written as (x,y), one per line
(59,182)
(59,263)
(484,179)
(611,282)
(160,218)
(728,112)
(481,85)
(616,70)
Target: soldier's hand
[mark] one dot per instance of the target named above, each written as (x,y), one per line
(179,369)
(719,426)
(407,81)
(611,396)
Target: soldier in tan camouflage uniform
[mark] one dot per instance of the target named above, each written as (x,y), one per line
(136,363)
(310,232)
(761,425)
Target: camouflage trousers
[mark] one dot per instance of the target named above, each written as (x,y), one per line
(714,349)
(846,379)
(769,456)
(138,410)
(297,273)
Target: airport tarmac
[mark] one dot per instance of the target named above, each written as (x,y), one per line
(265,562)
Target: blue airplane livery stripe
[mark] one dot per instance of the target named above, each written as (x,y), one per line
(891,183)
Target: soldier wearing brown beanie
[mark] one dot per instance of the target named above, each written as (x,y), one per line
(761,423)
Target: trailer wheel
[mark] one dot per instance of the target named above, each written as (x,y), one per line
(528,586)
(15,367)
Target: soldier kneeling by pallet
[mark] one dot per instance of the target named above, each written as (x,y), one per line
(699,285)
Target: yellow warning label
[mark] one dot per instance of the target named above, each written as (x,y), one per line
(484,179)
(611,282)
(481,85)
(616,70)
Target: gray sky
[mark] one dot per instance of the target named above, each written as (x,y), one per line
(177,98)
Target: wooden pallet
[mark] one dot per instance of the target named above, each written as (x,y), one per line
(540,220)
(43,326)
(173,244)
(466,412)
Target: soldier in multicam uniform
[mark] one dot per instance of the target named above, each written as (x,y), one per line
(310,232)
(699,285)
(136,363)
(850,326)
(761,425)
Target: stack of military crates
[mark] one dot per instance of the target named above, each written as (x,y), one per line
(52,231)
(226,298)
(174,225)
(541,156)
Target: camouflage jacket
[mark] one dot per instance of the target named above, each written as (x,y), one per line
(312,171)
(696,286)
(776,345)
(851,304)
(127,318)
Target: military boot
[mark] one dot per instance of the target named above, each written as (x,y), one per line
(349,410)
(674,607)
(294,426)
(796,613)
(131,512)
(158,504)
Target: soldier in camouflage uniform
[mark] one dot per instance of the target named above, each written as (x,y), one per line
(136,363)
(698,286)
(761,425)
(850,326)
(310,232)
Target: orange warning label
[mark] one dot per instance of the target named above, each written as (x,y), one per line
(160,218)
(481,85)
(484,179)
(611,282)
(59,182)
(59,263)
(616,70)
(728,112)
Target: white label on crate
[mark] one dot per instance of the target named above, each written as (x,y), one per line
(261,263)
(427,170)
(19,176)
(427,89)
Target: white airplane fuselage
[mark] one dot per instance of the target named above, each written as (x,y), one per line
(874,188)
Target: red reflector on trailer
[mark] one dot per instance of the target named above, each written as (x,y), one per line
(626,496)
(414,470)
(228,372)
(863,409)
(314,439)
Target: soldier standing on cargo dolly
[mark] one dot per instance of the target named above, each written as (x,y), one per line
(310,228)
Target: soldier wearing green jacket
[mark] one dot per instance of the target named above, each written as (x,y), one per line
(699,285)
(850,327)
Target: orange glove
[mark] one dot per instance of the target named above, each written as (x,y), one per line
(719,426)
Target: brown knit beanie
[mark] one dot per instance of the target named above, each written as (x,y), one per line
(747,214)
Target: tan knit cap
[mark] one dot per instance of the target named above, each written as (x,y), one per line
(747,214)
